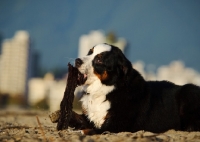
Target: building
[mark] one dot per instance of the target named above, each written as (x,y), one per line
(175,72)
(86,42)
(46,88)
(15,64)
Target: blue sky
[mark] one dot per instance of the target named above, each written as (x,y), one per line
(158,31)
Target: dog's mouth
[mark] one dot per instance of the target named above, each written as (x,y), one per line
(81,78)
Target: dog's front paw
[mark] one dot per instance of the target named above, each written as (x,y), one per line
(91,131)
(88,132)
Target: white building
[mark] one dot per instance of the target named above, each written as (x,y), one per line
(175,72)
(47,88)
(39,88)
(14,64)
(86,42)
(56,94)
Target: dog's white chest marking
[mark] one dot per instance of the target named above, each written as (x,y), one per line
(95,104)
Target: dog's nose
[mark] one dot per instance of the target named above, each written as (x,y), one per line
(78,62)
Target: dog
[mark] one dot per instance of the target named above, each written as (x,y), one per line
(116,98)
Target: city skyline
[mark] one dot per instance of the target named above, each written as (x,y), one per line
(17,70)
(157,32)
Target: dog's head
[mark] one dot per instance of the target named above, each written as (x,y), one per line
(104,62)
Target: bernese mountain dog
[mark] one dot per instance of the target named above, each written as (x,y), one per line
(116,98)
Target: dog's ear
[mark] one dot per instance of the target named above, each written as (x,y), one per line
(123,62)
(125,69)
(124,66)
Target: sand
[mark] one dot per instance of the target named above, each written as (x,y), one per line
(31,125)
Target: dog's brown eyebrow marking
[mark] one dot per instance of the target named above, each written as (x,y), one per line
(102,76)
(99,55)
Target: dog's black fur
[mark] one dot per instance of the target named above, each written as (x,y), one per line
(136,104)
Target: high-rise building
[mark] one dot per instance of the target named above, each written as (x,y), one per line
(87,41)
(15,64)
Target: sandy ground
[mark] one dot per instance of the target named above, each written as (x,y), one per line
(25,125)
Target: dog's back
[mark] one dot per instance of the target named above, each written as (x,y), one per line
(188,100)
(172,107)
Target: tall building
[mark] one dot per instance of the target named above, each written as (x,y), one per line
(15,64)
(87,41)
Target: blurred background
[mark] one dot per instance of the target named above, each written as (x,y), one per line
(39,38)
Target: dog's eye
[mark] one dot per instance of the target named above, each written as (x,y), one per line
(98,59)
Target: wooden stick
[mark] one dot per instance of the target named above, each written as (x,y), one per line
(66,104)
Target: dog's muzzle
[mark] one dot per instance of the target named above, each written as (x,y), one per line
(81,77)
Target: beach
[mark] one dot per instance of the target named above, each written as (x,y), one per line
(35,125)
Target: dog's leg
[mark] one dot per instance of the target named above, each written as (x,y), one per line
(79,121)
